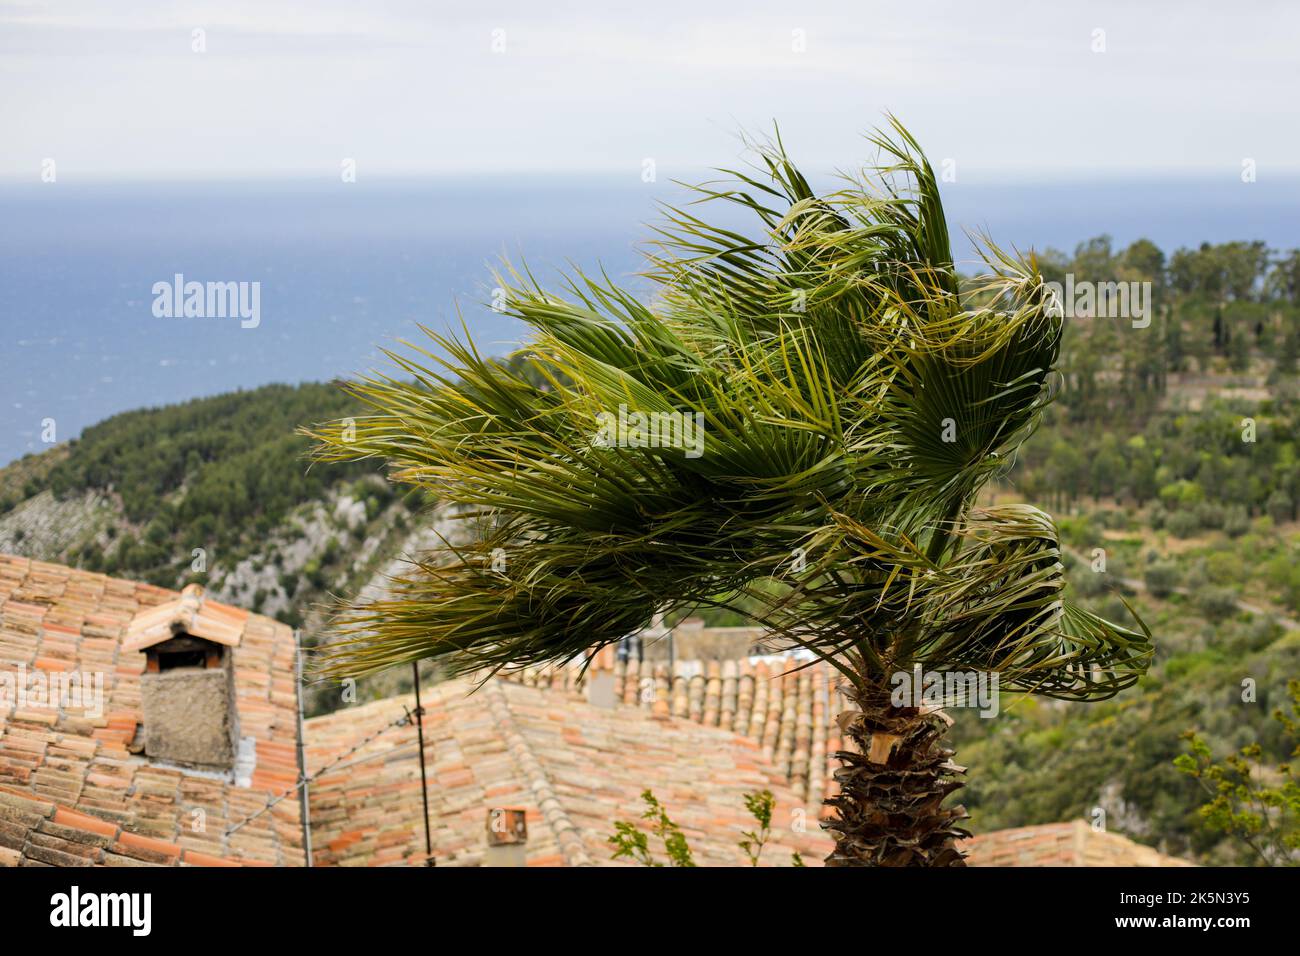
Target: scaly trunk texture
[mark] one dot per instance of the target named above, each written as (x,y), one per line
(890,806)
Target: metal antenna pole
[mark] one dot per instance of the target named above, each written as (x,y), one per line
(424,779)
(304,807)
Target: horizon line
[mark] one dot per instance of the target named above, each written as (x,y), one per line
(970,175)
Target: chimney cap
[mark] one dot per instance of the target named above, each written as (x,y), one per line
(189,613)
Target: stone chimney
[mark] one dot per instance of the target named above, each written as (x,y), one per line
(187,690)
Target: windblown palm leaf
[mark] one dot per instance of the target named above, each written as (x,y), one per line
(852,402)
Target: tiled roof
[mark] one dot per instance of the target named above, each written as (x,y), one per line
(1074,843)
(700,735)
(35,832)
(785,705)
(54,619)
(788,708)
(575,769)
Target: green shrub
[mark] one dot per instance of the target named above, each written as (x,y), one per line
(1210,514)
(1162,578)
(1236,521)
(1183,523)
(1216,602)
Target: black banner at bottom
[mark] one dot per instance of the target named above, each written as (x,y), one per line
(336,905)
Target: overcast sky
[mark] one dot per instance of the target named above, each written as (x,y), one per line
(115,90)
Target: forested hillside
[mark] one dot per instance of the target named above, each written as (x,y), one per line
(216,491)
(1170,456)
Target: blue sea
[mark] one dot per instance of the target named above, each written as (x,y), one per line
(348,269)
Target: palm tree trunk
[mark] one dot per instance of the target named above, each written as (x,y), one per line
(890,806)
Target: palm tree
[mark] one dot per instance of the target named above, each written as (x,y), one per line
(853,401)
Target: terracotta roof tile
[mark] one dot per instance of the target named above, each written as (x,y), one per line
(1074,843)
(38,832)
(783,705)
(574,767)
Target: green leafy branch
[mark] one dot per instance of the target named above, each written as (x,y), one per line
(760,806)
(1243,805)
(633,843)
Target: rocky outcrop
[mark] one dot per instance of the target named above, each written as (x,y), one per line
(49,528)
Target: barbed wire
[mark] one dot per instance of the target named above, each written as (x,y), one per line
(407,716)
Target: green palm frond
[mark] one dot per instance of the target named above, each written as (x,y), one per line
(852,404)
